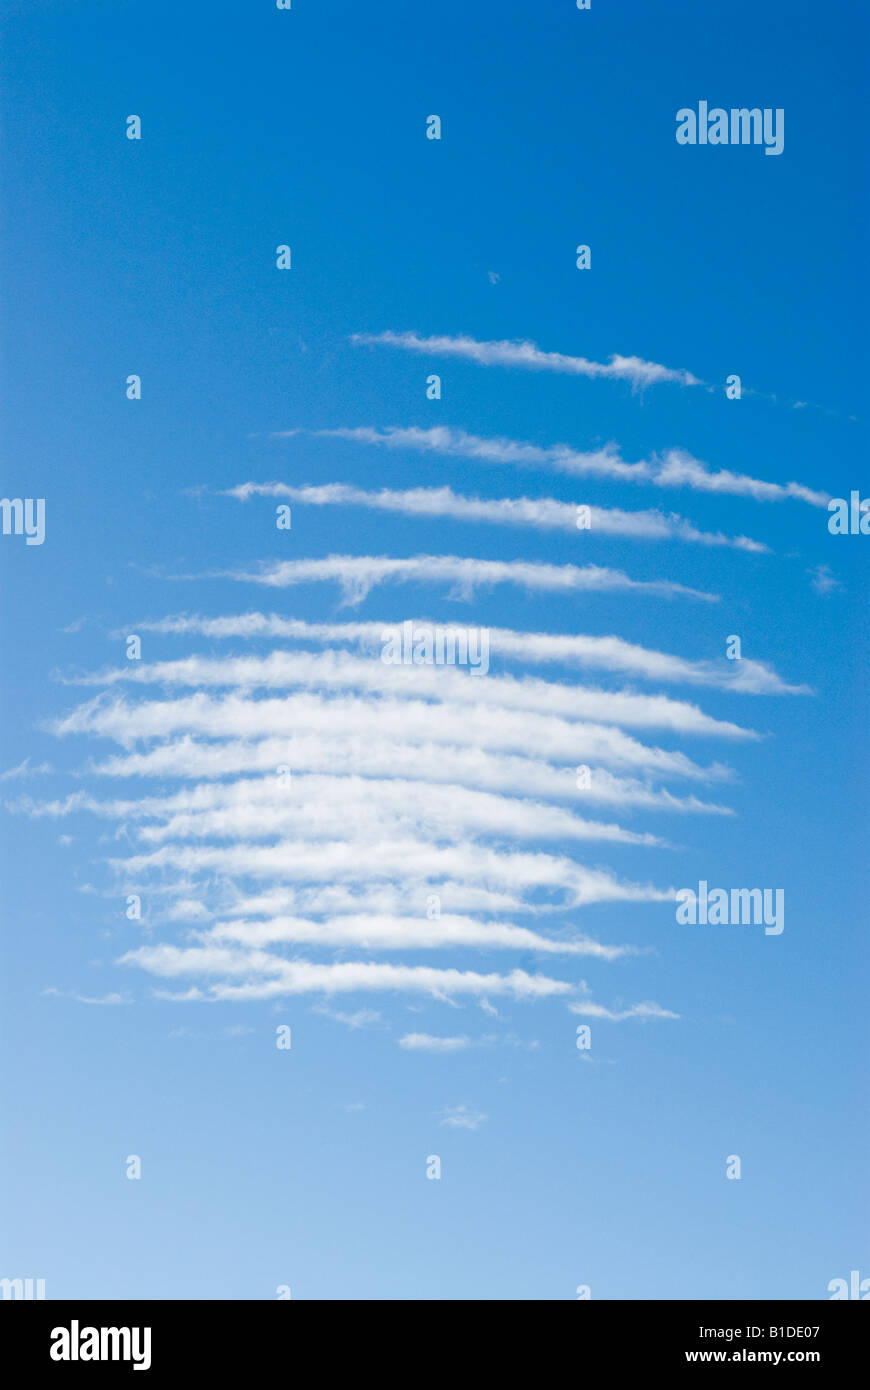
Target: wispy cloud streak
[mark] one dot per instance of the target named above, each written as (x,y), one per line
(342,671)
(526,355)
(267,976)
(359,574)
(414,722)
(673,468)
(543,513)
(609,653)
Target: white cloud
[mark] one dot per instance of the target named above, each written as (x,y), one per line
(361,1018)
(24,769)
(461,1117)
(672,468)
(603,653)
(313,806)
(189,759)
(425,1042)
(407,861)
(403,781)
(407,933)
(413,722)
(343,671)
(265,976)
(646,1011)
(545,513)
(359,574)
(112,998)
(517,353)
(823,580)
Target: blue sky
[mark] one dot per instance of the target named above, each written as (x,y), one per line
(157,257)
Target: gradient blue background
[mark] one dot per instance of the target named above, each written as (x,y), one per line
(262,127)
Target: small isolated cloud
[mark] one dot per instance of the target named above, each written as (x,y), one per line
(188,910)
(52,992)
(645,1011)
(24,770)
(363,1018)
(494,277)
(823,580)
(426,1042)
(461,1117)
